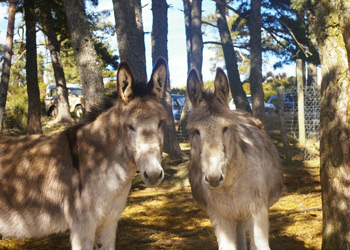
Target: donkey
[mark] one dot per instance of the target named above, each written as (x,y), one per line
(234,170)
(79,179)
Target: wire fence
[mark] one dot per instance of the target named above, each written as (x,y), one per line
(312,121)
(291,126)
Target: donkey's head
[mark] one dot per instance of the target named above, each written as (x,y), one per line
(143,116)
(210,124)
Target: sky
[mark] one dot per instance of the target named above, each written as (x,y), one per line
(176,40)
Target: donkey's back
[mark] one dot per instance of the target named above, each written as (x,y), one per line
(35,173)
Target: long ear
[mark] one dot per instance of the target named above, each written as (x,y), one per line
(124,82)
(194,88)
(159,78)
(222,90)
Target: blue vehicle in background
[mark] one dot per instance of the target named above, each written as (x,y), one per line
(178,104)
(289,100)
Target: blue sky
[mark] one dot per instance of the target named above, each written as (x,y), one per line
(176,39)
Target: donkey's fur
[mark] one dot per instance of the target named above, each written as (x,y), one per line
(79,179)
(235,171)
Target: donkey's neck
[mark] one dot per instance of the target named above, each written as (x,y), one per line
(101,146)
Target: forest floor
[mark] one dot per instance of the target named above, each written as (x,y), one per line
(166,217)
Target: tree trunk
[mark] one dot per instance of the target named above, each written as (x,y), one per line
(130,35)
(63,114)
(194,44)
(256,60)
(300,92)
(196,36)
(34,106)
(344,21)
(160,49)
(237,91)
(187,15)
(335,130)
(84,50)
(313,60)
(5,76)
(311,74)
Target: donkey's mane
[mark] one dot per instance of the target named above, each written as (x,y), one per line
(102,106)
(108,101)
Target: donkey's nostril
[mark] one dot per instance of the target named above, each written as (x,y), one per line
(161,175)
(145,175)
(214,181)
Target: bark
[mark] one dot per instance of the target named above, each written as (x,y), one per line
(196,36)
(256,60)
(187,15)
(5,76)
(237,91)
(34,106)
(130,35)
(335,130)
(160,49)
(63,114)
(344,9)
(194,44)
(84,50)
(313,60)
(311,74)
(301,113)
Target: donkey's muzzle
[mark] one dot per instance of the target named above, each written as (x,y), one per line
(214,181)
(152,178)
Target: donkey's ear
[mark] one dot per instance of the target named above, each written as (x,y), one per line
(194,88)
(222,90)
(159,78)
(124,82)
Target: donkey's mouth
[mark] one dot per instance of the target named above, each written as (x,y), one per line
(152,178)
(214,182)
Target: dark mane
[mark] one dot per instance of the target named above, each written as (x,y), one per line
(214,105)
(102,106)
(108,101)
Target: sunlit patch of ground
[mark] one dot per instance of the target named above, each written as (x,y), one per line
(166,217)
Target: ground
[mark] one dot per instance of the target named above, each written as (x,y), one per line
(166,217)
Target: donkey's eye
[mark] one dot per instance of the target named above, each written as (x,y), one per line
(196,132)
(160,124)
(130,127)
(224,130)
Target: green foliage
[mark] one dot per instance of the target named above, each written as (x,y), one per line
(179,91)
(69,64)
(102,30)
(110,87)
(246,87)
(16,109)
(239,37)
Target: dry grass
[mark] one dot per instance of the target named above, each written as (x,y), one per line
(166,217)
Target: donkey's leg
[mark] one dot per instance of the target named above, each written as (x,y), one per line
(259,230)
(241,235)
(105,236)
(225,232)
(82,236)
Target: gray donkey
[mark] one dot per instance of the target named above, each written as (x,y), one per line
(79,179)
(235,170)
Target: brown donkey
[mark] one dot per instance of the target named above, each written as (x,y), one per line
(79,179)
(235,171)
